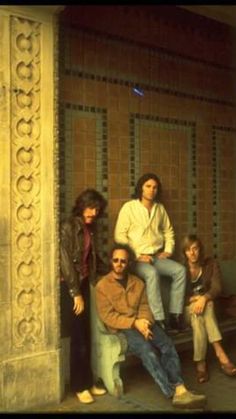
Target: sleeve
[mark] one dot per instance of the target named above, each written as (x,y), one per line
(144,311)
(67,266)
(215,287)
(122,226)
(108,314)
(168,233)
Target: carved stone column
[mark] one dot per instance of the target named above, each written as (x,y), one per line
(30,365)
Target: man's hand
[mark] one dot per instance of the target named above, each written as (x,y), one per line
(143,326)
(145,259)
(194,298)
(163,255)
(78,304)
(200,304)
(148,334)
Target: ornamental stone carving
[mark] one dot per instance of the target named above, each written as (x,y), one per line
(26,229)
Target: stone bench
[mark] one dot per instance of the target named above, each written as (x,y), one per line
(109,350)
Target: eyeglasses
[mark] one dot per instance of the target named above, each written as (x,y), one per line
(116,260)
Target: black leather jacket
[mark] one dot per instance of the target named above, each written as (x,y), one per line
(71,252)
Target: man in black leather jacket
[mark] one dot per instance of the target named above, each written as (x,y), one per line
(80,262)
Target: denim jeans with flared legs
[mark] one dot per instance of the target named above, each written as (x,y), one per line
(158,356)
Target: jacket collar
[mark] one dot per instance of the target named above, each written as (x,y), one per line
(79,224)
(111,278)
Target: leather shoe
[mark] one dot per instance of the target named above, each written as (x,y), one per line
(229,369)
(85,397)
(189,400)
(202,376)
(97,391)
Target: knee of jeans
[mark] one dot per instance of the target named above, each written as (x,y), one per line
(181,272)
(151,274)
(168,347)
(143,349)
(150,355)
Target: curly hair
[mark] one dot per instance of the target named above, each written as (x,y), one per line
(143,179)
(122,246)
(89,198)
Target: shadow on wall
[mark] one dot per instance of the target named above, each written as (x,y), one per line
(229,276)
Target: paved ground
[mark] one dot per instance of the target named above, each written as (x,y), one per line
(143,395)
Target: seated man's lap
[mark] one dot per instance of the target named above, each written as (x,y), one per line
(136,340)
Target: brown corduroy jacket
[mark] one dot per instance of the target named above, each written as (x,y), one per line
(118,307)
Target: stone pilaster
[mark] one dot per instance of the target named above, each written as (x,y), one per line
(30,372)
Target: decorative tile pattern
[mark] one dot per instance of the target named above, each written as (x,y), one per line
(101,72)
(169,145)
(224,196)
(157,58)
(69,140)
(157,89)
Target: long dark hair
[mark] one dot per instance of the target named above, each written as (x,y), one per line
(187,241)
(89,198)
(143,179)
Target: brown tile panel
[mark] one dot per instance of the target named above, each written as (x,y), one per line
(112,134)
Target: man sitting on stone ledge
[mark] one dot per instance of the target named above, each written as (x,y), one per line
(145,226)
(122,305)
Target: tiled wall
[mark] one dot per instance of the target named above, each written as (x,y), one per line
(179,124)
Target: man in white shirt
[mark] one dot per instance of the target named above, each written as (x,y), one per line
(144,225)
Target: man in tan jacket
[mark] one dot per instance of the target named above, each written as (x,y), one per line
(122,305)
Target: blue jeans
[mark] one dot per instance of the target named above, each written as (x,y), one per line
(164,368)
(151,275)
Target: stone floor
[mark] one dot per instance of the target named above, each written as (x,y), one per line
(143,395)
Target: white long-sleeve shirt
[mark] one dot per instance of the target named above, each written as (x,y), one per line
(145,233)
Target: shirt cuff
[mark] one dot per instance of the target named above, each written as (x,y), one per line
(74,293)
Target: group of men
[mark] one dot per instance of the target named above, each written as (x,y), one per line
(128,297)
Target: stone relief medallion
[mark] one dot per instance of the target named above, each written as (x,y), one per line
(26,229)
